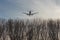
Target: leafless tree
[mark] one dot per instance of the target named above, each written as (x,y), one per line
(10,28)
(52,30)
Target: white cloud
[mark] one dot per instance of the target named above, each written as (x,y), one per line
(48,8)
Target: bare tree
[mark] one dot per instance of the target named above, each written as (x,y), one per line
(16,30)
(10,28)
(52,30)
(1,30)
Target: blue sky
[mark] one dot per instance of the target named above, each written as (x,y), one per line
(15,8)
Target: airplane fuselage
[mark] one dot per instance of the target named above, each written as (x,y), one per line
(29,12)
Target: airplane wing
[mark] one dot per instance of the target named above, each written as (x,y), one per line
(34,13)
(26,13)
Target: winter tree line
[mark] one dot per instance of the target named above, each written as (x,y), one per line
(30,30)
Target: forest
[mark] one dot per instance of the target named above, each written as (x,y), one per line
(35,29)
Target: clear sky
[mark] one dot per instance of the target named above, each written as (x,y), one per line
(14,8)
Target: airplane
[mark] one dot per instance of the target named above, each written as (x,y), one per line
(30,13)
